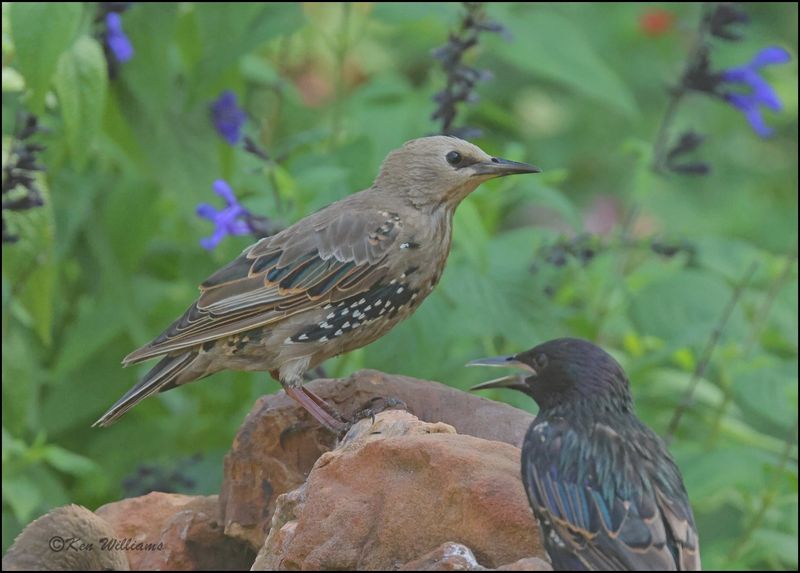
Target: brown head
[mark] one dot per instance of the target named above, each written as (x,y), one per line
(441,170)
(66,539)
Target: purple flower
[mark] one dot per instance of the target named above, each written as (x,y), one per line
(760,92)
(228,221)
(228,117)
(117,41)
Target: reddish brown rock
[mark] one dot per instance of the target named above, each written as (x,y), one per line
(166,531)
(398,488)
(69,538)
(278,443)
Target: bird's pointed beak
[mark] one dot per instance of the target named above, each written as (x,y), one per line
(497,167)
(514,381)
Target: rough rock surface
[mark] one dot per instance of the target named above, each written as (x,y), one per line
(400,487)
(186,533)
(68,538)
(278,443)
(456,557)
(447,557)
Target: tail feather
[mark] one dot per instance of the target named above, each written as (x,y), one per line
(161,377)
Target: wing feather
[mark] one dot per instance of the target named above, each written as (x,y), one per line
(319,260)
(613,512)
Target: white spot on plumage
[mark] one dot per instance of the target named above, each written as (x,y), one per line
(323,339)
(404,246)
(288,340)
(338,332)
(346,324)
(399,290)
(330,316)
(367,308)
(362,301)
(303,336)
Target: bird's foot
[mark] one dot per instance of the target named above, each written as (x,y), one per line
(376,405)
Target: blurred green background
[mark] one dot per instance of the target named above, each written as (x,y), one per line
(578,90)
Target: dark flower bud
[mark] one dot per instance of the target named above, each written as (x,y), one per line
(723,18)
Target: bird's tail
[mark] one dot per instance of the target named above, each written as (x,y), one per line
(161,377)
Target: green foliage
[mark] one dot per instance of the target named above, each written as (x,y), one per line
(578,90)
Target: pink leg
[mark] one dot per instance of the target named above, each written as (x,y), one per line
(320,402)
(320,414)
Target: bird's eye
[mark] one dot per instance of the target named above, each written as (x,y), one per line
(541,362)
(453,158)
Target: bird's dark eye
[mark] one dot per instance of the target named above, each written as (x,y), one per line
(453,158)
(541,362)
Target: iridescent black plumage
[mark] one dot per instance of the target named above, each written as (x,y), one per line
(605,489)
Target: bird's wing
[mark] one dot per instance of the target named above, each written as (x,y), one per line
(330,256)
(605,510)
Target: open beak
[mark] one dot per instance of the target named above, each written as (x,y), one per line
(514,381)
(497,167)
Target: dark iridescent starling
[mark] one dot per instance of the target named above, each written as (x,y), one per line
(332,282)
(606,492)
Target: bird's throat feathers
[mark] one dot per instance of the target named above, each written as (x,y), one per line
(591,394)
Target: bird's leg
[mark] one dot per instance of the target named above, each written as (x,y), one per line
(312,407)
(321,403)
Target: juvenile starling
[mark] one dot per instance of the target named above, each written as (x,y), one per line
(606,492)
(332,282)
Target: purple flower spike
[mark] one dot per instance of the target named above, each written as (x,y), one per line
(228,117)
(760,92)
(117,41)
(228,221)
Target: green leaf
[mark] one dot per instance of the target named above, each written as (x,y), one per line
(28,266)
(41,31)
(90,332)
(684,307)
(22,496)
(548,44)
(227,34)
(68,462)
(768,388)
(81,82)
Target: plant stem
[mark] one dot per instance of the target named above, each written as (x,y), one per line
(708,351)
(768,498)
(342,47)
(677,94)
(774,291)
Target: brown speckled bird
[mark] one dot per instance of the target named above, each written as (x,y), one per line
(334,281)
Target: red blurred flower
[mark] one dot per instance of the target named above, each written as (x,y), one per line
(656,22)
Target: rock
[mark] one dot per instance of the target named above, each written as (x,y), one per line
(69,538)
(279,443)
(447,557)
(179,532)
(527,564)
(401,487)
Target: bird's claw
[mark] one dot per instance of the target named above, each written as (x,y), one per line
(375,406)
